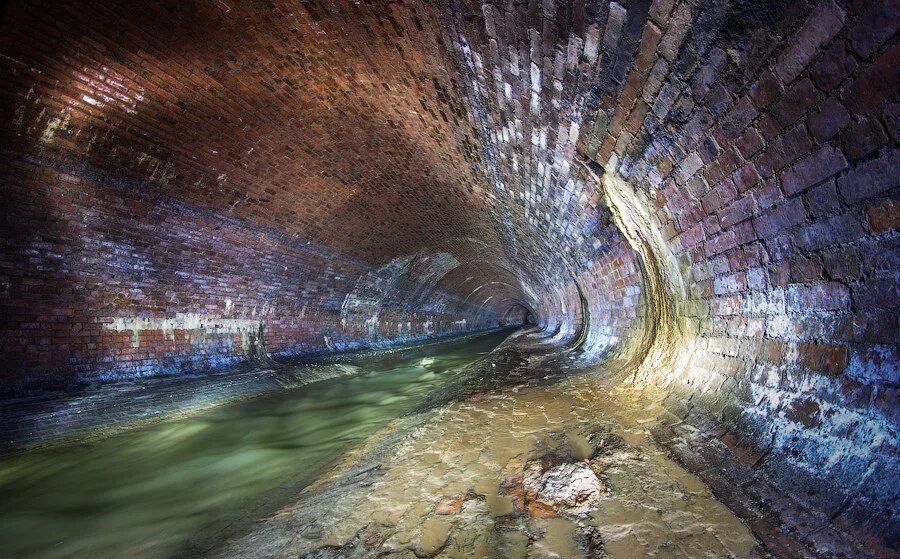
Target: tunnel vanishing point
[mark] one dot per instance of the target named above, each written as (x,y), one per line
(700,196)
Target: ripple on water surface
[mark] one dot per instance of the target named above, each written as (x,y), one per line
(150,491)
(468,484)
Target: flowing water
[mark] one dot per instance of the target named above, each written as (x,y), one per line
(458,488)
(425,453)
(149,491)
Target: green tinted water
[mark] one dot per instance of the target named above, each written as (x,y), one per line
(162,489)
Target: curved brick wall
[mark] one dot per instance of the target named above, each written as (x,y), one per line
(184,181)
(706,190)
(760,173)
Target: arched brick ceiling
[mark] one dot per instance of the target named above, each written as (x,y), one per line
(335,123)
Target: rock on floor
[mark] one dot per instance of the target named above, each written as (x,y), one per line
(573,488)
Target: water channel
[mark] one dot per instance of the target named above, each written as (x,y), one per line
(464,479)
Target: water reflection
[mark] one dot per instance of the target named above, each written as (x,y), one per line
(150,491)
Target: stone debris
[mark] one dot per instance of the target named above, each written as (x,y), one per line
(538,509)
(449,505)
(573,488)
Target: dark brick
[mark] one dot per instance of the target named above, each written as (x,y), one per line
(828,120)
(823,199)
(879,22)
(768,194)
(830,232)
(795,102)
(766,90)
(778,219)
(841,263)
(717,100)
(783,151)
(805,269)
(812,170)
(877,292)
(744,233)
(862,138)
(891,117)
(836,64)
(749,143)
(741,114)
(888,401)
(823,24)
(871,178)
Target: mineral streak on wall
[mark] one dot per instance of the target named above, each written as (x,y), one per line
(706,190)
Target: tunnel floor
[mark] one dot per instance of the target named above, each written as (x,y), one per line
(441,451)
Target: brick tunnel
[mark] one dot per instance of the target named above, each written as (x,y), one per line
(691,206)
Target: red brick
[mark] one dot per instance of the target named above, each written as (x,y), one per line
(720,243)
(745,178)
(805,411)
(349,162)
(884,217)
(740,210)
(831,359)
(876,83)
(692,236)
